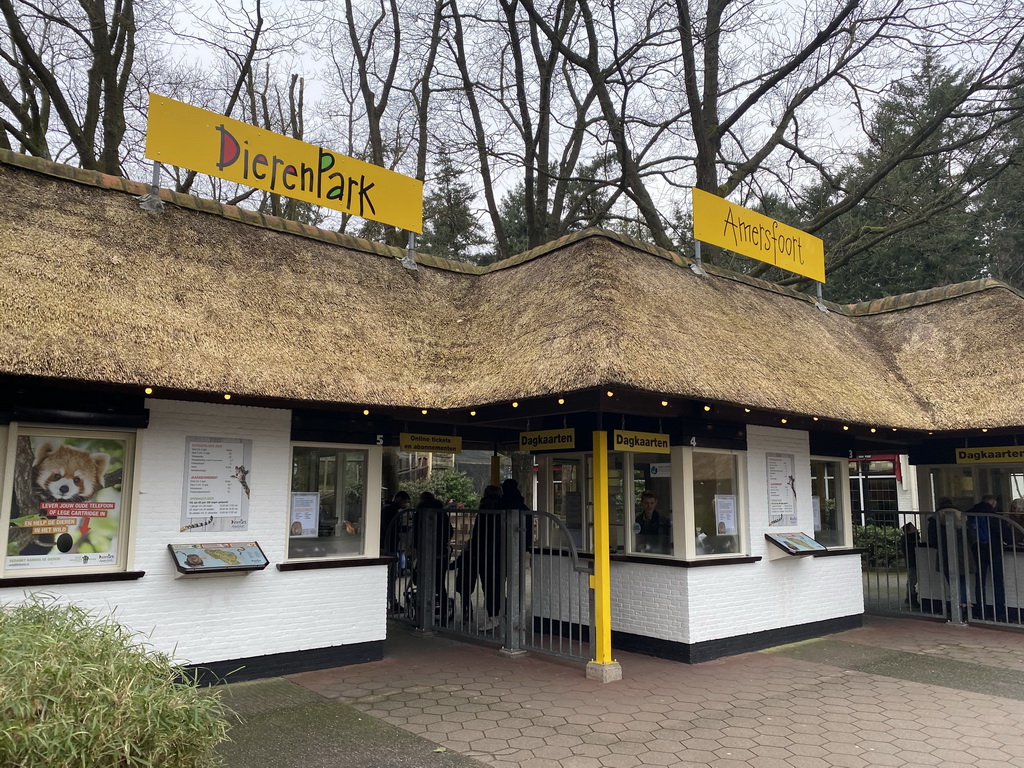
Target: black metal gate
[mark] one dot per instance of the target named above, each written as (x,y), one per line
(506,576)
(959,566)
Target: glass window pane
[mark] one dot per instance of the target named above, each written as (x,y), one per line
(826,499)
(329,502)
(715,503)
(652,495)
(568,495)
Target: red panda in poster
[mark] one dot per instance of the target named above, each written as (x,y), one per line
(68,474)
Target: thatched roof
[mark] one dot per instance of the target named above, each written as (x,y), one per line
(206,298)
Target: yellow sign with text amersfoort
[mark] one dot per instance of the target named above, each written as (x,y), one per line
(740,230)
(189,137)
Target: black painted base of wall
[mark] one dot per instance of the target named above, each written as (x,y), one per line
(694,653)
(276,664)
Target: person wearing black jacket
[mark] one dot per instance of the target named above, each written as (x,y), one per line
(989,536)
(440,544)
(908,545)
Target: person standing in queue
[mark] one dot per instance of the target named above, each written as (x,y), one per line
(484,553)
(394,540)
(989,537)
(430,505)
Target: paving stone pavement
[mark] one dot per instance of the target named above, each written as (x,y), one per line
(896,692)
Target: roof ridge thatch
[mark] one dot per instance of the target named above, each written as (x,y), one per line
(926,296)
(290,226)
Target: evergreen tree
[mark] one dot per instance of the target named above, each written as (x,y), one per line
(584,203)
(450,228)
(948,248)
(1002,207)
(922,223)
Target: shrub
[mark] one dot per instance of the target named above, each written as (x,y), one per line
(80,691)
(445,485)
(882,543)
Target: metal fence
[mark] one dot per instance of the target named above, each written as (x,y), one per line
(506,576)
(962,567)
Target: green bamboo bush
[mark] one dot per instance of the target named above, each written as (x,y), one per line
(83,692)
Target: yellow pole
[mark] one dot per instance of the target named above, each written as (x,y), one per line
(601,580)
(495,469)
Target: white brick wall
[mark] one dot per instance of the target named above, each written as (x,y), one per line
(226,617)
(693,605)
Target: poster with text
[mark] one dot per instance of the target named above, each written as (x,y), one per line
(304,521)
(725,515)
(781,489)
(66,505)
(217,483)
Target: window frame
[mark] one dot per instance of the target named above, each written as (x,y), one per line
(844,497)
(689,526)
(128,502)
(371,500)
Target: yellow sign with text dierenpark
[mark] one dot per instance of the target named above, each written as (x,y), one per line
(189,137)
(719,222)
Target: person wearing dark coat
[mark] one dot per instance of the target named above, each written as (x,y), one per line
(908,545)
(482,558)
(442,539)
(989,536)
(392,541)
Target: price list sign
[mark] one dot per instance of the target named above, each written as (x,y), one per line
(216,493)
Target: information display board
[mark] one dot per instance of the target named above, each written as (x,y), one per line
(218,558)
(796,543)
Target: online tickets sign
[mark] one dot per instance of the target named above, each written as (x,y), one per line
(740,230)
(189,137)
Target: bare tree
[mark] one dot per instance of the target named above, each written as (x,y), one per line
(71,61)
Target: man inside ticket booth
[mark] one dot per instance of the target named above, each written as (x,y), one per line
(652,528)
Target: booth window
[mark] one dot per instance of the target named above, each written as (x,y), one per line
(652,499)
(828,500)
(67,501)
(328,502)
(874,488)
(716,503)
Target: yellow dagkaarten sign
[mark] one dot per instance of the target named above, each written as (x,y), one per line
(640,442)
(1003,454)
(548,440)
(409,441)
(189,137)
(719,222)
